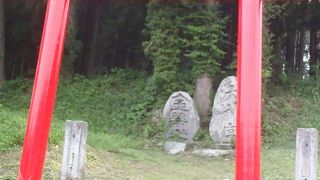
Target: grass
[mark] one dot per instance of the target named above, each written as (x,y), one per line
(115,156)
(287,109)
(144,163)
(12,129)
(278,163)
(117,145)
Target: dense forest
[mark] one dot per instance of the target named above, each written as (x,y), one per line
(162,38)
(153,48)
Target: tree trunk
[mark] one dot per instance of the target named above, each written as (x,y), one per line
(232,28)
(37,21)
(313,40)
(277,63)
(290,50)
(90,42)
(2,43)
(300,51)
(71,53)
(313,50)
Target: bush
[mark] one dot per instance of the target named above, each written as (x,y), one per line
(288,107)
(16,94)
(116,103)
(119,102)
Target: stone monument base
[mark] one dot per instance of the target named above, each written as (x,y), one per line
(213,152)
(172,147)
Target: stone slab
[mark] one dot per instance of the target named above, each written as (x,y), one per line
(213,152)
(173,148)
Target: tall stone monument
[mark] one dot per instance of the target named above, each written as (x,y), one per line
(203,99)
(223,122)
(181,118)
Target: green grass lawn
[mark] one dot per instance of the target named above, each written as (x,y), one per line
(133,159)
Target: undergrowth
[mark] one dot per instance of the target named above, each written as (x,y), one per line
(120,106)
(118,103)
(292,105)
(12,128)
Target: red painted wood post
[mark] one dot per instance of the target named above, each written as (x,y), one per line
(248,138)
(44,90)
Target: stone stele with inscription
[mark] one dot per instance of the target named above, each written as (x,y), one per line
(181,117)
(223,122)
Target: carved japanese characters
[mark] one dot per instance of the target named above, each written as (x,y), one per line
(181,117)
(223,122)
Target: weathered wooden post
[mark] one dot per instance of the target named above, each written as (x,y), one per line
(306,154)
(74,150)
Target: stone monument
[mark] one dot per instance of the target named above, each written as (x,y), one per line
(223,122)
(181,118)
(203,99)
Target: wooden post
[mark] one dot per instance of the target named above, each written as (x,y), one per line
(306,154)
(74,150)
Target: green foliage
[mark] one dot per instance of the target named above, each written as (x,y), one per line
(116,103)
(16,94)
(121,104)
(154,129)
(271,11)
(288,107)
(303,88)
(163,47)
(203,37)
(203,139)
(183,36)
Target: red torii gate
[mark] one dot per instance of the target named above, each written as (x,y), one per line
(248,137)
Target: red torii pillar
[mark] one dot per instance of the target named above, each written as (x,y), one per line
(249,90)
(248,137)
(44,90)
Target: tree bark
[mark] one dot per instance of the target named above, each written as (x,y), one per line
(313,50)
(313,40)
(300,51)
(277,63)
(90,42)
(2,43)
(232,28)
(38,16)
(68,67)
(290,50)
